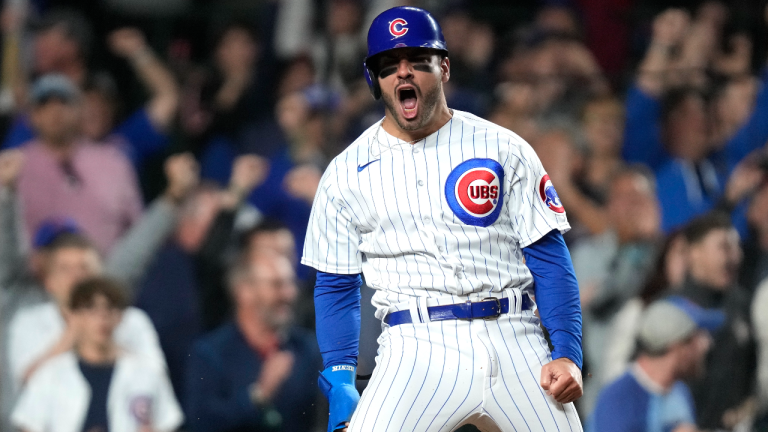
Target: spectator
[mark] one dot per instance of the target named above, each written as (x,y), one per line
(257,372)
(668,274)
(672,344)
(612,266)
(63,40)
(722,395)
(668,129)
(236,92)
(272,235)
(183,290)
(63,257)
(66,174)
(144,132)
(200,250)
(294,172)
(40,332)
(95,385)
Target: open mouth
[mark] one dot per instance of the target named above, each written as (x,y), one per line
(408,101)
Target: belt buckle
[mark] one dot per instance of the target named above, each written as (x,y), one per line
(498,308)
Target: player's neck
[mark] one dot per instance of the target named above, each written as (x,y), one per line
(440,117)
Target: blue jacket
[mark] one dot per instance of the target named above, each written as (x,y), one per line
(221,369)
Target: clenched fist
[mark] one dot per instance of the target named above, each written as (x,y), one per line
(561,379)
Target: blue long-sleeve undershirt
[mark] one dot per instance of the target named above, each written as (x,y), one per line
(557,294)
(337,304)
(337,317)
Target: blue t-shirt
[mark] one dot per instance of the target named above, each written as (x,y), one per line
(628,406)
(98,377)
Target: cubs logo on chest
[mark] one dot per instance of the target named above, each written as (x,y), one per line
(475,191)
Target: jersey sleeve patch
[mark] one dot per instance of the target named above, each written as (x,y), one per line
(475,191)
(549,195)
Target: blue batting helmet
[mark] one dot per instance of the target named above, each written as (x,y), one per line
(401,27)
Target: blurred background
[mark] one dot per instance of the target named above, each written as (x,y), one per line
(170,144)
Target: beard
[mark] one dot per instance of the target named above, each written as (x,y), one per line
(428,103)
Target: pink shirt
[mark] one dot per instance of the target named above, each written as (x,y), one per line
(98,190)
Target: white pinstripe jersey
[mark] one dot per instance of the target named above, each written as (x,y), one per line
(444,217)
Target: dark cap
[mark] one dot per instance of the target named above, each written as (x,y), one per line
(50,229)
(53,86)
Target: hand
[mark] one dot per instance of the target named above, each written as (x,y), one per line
(127,42)
(745,179)
(302,182)
(670,26)
(11,163)
(561,379)
(248,173)
(183,175)
(275,370)
(740,58)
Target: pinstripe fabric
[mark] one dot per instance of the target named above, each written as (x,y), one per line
(383,209)
(439,376)
(392,222)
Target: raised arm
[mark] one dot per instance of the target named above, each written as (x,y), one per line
(131,256)
(13,82)
(130,44)
(12,257)
(754,133)
(642,136)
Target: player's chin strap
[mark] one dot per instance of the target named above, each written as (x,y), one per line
(338,385)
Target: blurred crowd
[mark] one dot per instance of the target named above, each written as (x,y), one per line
(158,162)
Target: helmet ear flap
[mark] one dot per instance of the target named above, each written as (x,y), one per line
(373,82)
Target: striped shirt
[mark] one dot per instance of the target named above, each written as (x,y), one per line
(445,217)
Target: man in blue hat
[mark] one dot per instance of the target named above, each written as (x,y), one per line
(456,225)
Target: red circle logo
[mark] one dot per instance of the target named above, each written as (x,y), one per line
(398,27)
(549,195)
(477,191)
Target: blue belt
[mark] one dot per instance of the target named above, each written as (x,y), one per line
(488,308)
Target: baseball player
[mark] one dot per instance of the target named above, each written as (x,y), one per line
(456,225)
